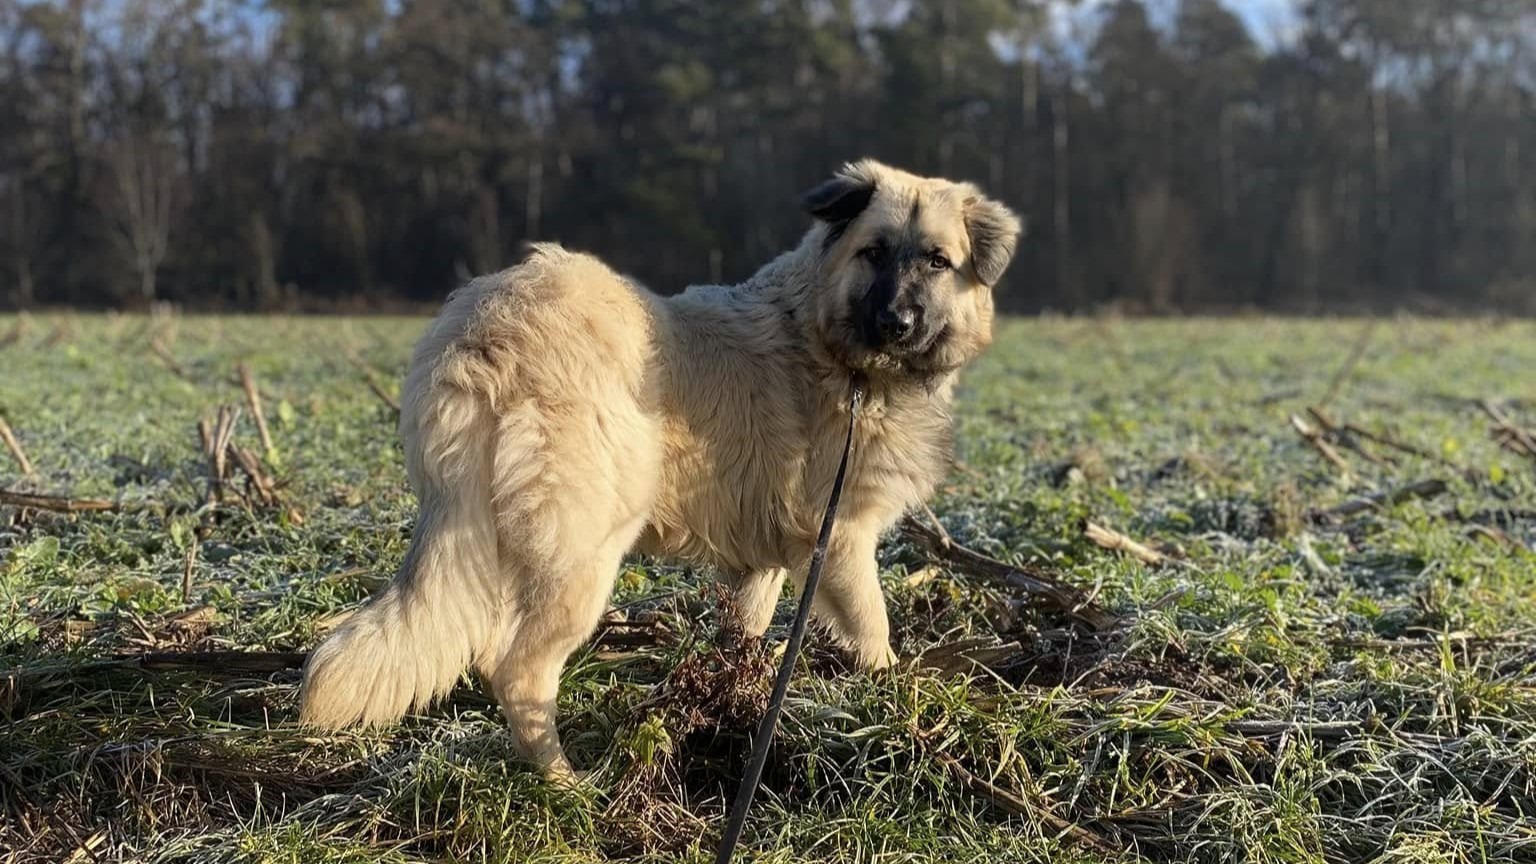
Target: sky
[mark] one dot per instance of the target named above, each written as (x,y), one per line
(1270,21)
(1267,20)
(1266,17)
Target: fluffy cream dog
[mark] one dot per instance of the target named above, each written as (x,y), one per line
(557,416)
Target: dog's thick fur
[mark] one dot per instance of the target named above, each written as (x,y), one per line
(557,416)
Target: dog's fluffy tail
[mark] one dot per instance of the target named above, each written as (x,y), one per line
(410,643)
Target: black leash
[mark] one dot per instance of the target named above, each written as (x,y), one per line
(770,721)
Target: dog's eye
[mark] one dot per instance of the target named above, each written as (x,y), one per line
(938,262)
(873,254)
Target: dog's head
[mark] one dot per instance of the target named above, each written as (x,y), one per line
(907,265)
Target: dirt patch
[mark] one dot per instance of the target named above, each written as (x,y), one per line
(697,724)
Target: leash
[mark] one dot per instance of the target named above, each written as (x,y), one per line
(770,721)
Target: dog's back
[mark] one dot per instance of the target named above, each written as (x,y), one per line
(525,433)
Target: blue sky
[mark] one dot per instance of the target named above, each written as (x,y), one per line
(1263,16)
(1268,20)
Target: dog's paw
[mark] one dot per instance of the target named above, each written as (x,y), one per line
(568,779)
(558,772)
(874,658)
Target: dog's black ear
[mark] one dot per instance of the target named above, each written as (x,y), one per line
(994,231)
(841,199)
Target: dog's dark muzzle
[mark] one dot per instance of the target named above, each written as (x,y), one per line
(896,327)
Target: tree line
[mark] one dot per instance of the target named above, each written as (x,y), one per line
(271,154)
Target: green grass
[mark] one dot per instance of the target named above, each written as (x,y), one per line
(1290,689)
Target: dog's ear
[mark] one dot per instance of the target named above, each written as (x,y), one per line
(994,231)
(841,199)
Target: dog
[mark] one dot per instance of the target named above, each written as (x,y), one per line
(557,416)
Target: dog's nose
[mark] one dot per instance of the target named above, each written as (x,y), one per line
(896,324)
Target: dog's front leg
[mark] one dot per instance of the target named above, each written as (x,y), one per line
(849,601)
(757,597)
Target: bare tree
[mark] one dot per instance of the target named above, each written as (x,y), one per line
(144,181)
(263,261)
(1163,242)
(19,236)
(1362,151)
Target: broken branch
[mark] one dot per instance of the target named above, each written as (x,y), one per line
(938,526)
(14,446)
(253,399)
(159,349)
(1013,802)
(58,504)
(266,493)
(189,567)
(1315,438)
(1514,437)
(1031,580)
(216,437)
(1114,541)
(1421,489)
(379,391)
(239,662)
(1356,353)
(1342,435)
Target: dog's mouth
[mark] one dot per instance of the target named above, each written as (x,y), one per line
(921,356)
(928,355)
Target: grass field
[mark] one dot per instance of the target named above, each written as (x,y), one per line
(1311,675)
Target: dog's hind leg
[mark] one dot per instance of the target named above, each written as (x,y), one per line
(553,615)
